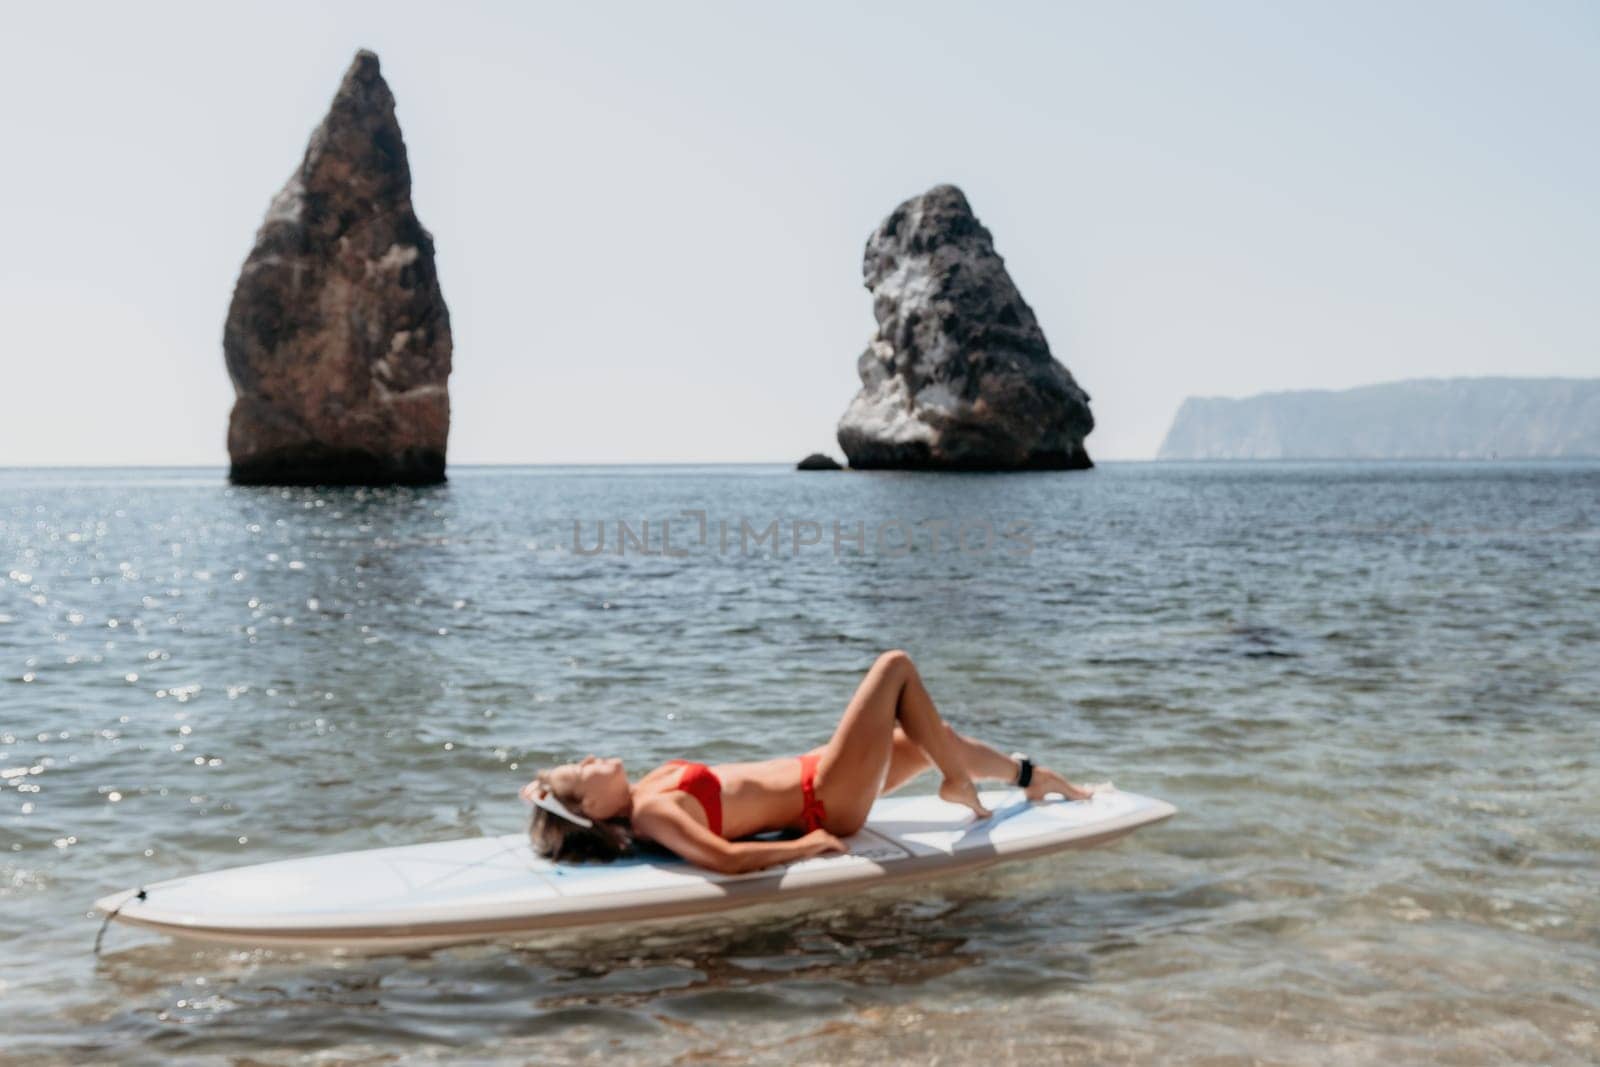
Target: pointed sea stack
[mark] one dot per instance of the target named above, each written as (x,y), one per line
(958,376)
(338,339)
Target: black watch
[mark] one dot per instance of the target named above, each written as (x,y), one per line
(1024,769)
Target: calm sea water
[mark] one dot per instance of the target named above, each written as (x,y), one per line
(1371,689)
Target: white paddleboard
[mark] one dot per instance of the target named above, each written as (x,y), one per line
(484,888)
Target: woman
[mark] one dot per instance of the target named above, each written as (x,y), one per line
(890,733)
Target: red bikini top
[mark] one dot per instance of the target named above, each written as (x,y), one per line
(702,783)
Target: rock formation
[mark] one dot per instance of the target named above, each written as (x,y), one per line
(958,375)
(818,461)
(338,339)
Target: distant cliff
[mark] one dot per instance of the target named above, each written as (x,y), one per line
(1431,418)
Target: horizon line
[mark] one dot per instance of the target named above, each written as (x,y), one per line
(222,467)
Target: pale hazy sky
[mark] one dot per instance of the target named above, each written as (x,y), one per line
(650,217)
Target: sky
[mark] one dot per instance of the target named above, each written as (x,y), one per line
(649,217)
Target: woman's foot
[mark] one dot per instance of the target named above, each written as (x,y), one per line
(1045,781)
(963,792)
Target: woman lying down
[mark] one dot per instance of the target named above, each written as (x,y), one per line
(890,733)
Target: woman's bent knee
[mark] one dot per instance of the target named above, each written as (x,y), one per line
(846,825)
(895,658)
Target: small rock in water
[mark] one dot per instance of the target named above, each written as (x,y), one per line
(818,461)
(338,339)
(959,375)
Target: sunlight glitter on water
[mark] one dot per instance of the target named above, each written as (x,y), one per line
(1370,690)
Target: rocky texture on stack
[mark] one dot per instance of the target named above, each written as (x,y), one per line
(958,375)
(338,339)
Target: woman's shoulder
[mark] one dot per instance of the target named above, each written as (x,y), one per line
(666,805)
(660,772)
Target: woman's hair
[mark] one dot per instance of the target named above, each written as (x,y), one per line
(556,839)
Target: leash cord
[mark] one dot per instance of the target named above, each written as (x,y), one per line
(112,914)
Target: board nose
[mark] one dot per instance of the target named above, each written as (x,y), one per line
(112,901)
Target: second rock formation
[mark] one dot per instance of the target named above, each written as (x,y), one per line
(958,375)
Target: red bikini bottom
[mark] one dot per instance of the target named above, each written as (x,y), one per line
(812,813)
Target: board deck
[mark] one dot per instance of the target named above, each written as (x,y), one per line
(487,888)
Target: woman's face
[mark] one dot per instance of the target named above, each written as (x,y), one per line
(600,785)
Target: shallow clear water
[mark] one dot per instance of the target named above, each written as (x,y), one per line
(1371,690)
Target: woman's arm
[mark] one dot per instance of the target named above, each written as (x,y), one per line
(673,828)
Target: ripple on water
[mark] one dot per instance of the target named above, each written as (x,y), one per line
(1369,689)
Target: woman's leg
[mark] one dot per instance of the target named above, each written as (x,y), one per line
(855,763)
(983,762)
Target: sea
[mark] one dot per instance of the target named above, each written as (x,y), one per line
(1372,691)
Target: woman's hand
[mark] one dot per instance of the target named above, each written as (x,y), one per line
(820,843)
(1045,781)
